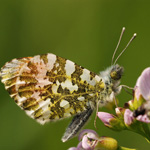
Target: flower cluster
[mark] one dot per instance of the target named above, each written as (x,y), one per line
(90,140)
(134,116)
(140,105)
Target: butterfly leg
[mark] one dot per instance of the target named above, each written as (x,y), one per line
(125,87)
(76,124)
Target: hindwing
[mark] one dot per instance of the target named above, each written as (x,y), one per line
(49,87)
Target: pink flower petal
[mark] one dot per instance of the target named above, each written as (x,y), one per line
(143,118)
(72,148)
(79,147)
(119,110)
(144,83)
(93,136)
(105,117)
(137,82)
(137,92)
(86,131)
(128,117)
(86,143)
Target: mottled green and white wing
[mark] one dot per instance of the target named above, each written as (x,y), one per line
(49,87)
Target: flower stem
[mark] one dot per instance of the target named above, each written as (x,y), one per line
(124,148)
(146,131)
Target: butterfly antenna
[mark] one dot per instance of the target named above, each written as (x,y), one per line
(123,29)
(133,37)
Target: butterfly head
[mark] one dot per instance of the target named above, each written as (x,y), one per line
(112,74)
(115,75)
(111,79)
(116,72)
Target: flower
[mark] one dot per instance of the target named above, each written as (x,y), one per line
(142,89)
(119,111)
(105,117)
(91,141)
(140,105)
(143,118)
(143,84)
(88,139)
(143,113)
(113,121)
(128,117)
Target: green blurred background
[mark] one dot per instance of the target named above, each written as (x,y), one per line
(84,31)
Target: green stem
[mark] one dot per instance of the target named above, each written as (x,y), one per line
(146,131)
(124,148)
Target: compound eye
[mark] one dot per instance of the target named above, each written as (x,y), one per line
(115,75)
(116,72)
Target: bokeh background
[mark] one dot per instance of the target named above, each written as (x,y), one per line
(84,31)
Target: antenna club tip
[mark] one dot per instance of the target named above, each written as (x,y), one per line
(135,34)
(123,28)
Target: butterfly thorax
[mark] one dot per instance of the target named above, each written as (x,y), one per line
(110,87)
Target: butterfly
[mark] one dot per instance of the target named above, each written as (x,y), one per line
(49,88)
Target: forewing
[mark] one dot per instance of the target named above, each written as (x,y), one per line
(49,87)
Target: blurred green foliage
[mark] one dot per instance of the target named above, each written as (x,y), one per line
(84,31)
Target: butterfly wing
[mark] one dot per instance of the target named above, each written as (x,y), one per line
(49,87)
